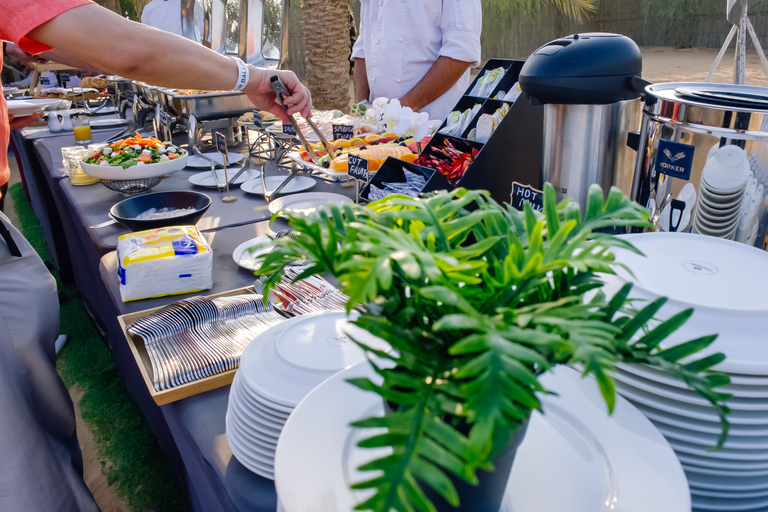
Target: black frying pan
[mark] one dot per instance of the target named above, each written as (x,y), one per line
(126,211)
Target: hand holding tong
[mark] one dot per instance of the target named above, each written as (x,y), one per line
(282,92)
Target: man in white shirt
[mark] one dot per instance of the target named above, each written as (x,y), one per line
(419,51)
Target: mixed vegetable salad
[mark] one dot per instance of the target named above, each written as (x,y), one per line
(134,151)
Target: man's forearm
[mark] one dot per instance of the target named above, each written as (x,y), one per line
(362,91)
(62,58)
(136,51)
(443,74)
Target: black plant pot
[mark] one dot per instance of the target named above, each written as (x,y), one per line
(488,494)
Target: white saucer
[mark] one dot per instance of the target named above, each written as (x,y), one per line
(306,203)
(247,258)
(205,179)
(198,162)
(297,184)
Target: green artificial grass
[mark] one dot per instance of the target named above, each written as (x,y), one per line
(137,466)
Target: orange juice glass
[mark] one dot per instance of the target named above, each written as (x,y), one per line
(81,127)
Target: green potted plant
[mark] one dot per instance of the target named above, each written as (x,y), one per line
(478,300)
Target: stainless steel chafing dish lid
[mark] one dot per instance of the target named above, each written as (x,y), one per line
(209,106)
(149,93)
(731,97)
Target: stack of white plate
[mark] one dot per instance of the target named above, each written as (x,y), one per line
(574,458)
(277,370)
(726,283)
(721,192)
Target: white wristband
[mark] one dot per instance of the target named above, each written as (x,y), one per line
(243,75)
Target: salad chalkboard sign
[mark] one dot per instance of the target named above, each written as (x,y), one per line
(288,129)
(342,131)
(358,167)
(522,193)
(45,81)
(257,119)
(63,79)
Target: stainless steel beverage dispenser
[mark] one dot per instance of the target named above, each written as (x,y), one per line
(590,87)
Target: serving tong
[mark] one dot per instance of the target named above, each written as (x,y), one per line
(197,337)
(282,92)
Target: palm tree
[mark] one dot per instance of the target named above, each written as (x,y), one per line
(326,34)
(326,29)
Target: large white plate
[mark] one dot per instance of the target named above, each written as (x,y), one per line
(728,505)
(198,162)
(205,179)
(297,184)
(689,459)
(108,121)
(724,281)
(688,396)
(24,108)
(702,484)
(574,458)
(306,203)
(115,172)
(710,440)
(703,426)
(721,473)
(703,413)
(744,387)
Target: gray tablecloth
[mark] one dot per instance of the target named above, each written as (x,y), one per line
(191,430)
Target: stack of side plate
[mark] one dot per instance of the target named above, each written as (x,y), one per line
(276,371)
(726,283)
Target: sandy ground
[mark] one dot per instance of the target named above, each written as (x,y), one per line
(693,65)
(659,65)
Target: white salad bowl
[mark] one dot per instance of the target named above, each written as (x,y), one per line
(136,172)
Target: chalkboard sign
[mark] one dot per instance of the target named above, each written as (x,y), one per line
(257,118)
(522,193)
(289,129)
(342,131)
(358,167)
(79,74)
(45,81)
(63,79)
(221,143)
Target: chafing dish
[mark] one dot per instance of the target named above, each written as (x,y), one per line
(149,93)
(206,107)
(141,107)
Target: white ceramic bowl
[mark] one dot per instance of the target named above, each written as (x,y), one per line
(137,172)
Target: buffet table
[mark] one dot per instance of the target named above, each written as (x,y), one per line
(191,431)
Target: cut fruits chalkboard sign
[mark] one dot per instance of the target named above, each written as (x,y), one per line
(358,167)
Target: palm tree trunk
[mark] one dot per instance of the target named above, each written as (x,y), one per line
(326,43)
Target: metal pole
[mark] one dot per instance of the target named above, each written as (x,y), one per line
(758,47)
(726,44)
(739,65)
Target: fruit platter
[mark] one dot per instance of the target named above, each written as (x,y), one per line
(134,158)
(373,147)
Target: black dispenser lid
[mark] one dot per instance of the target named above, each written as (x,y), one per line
(591,68)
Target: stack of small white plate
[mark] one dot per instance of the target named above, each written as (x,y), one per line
(726,283)
(573,458)
(276,371)
(721,191)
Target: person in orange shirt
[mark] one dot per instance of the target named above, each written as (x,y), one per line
(40,462)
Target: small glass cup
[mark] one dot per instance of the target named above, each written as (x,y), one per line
(81,126)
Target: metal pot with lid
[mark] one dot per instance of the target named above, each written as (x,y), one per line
(702,163)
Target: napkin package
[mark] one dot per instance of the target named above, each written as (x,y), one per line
(163,261)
